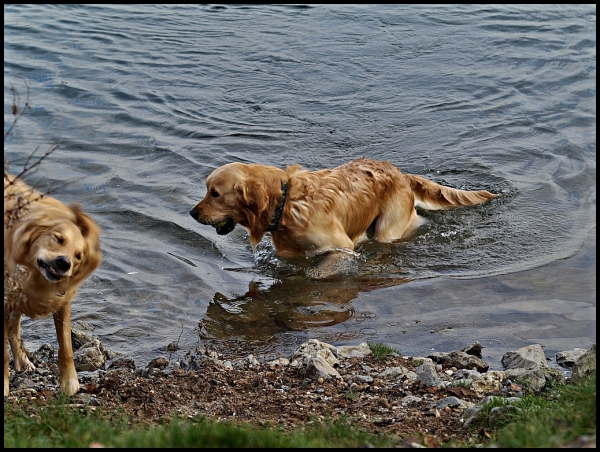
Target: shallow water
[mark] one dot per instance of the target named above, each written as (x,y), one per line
(146,100)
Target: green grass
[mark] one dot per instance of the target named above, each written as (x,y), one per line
(464,384)
(557,418)
(382,351)
(352,395)
(59,425)
(567,412)
(206,433)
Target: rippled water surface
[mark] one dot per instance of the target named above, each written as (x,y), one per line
(146,100)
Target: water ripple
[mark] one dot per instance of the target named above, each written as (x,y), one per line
(146,100)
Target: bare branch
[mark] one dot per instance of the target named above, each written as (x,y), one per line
(21,201)
(17,113)
(29,166)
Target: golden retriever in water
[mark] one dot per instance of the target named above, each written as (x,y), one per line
(49,250)
(323,211)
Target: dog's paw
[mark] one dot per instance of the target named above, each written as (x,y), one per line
(6,387)
(321,273)
(69,386)
(336,263)
(22,364)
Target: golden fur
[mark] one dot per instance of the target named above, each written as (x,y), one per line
(326,210)
(49,250)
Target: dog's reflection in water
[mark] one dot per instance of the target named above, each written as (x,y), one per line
(287,305)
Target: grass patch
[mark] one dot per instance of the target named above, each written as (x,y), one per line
(564,414)
(382,351)
(461,383)
(60,425)
(352,395)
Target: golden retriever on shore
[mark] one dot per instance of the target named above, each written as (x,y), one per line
(49,250)
(323,211)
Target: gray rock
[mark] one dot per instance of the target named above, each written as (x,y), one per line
(470,415)
(452,402)
(173,366)
(489,381)
(80,338)
(407,400)
(353,351)
(23,384)
(320,368)
(532,379)
(438,357)
(499,414)
(158,363)
(553,375)
(81,333)
(363,378)
(110,354)
(44,354)
(90,356)
(460,360)
(393,372)
(568,357)
(529,357)
(279,362)
(410,375)
(584,365)
(149,372)
(246,362)
(473,349)
(327,355)
(308,350)
(468,374)
(122,362)
(427,375)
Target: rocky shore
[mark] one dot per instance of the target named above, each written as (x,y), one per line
(435,399)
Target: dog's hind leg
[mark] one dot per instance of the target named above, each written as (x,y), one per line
(399,219)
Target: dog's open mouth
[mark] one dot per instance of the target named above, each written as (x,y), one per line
(50,273)
(225,226)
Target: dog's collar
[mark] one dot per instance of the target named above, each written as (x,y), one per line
(279,208)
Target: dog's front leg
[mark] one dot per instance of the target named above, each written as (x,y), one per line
(333,263)
(69,384)
(6,357)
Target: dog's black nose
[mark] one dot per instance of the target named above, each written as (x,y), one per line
(62,263)
(194,214)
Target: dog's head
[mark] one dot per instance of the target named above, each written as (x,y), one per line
(60,243)
(239,193)
(242,193)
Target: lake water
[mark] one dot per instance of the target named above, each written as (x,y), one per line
(145,101)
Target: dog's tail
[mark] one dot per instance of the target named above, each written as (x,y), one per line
(431,196)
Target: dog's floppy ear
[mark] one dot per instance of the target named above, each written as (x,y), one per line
(88,227)
(23,238)
(91,233)
(252,196)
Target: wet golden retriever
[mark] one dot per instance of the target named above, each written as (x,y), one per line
(49,250)
(325,211)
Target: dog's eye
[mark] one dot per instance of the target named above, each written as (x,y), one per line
(214,193)
(78,256)
(59,239)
